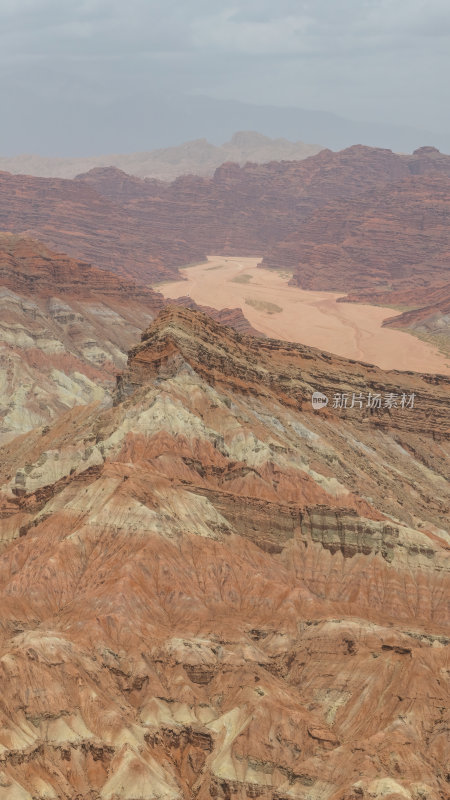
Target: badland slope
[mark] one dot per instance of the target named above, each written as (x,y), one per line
(65,330)
(212,590)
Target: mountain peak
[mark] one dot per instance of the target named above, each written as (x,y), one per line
(427,150)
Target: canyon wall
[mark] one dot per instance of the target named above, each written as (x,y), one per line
(361,217)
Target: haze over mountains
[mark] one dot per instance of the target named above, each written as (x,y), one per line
(147,229)
(136,122)
(224,400)
(198,157)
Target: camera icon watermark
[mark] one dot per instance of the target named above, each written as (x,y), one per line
(319,400)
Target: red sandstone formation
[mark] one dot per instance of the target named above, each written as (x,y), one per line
(65,328)
(72,217)
(30,268)
(392,238)
(210,590)
(305,214)
(231,317)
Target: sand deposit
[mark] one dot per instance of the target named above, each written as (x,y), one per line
(310,317)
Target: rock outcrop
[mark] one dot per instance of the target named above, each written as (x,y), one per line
(213,590)
(65,330)
(430,321)
(72,217)
(231,317)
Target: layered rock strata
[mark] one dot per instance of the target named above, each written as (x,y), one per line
(65,329)
(361,217)
(430,321)
(211,590)
(390,239)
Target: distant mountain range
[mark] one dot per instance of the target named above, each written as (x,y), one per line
(358,219)
(64,126)
(198,157)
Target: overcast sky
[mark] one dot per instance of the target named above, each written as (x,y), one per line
(375,60)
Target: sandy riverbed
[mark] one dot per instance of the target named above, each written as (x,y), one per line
(313,318)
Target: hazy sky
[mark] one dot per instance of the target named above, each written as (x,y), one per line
(376,60)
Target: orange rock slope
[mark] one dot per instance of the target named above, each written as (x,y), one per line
(210,590)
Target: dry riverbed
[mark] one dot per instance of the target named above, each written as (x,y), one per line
(313,318)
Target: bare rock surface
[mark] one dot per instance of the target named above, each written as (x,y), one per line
(65,330)
(389,239)
(430,320)
(210,590)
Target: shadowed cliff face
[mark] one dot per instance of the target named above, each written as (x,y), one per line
(211,590)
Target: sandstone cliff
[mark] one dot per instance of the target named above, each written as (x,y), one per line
(71,217)
(391,238)
(211,590)
(335,218)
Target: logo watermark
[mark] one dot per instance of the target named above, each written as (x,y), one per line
(319,400)
(388,400)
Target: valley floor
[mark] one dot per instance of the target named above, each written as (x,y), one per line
(313,318)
